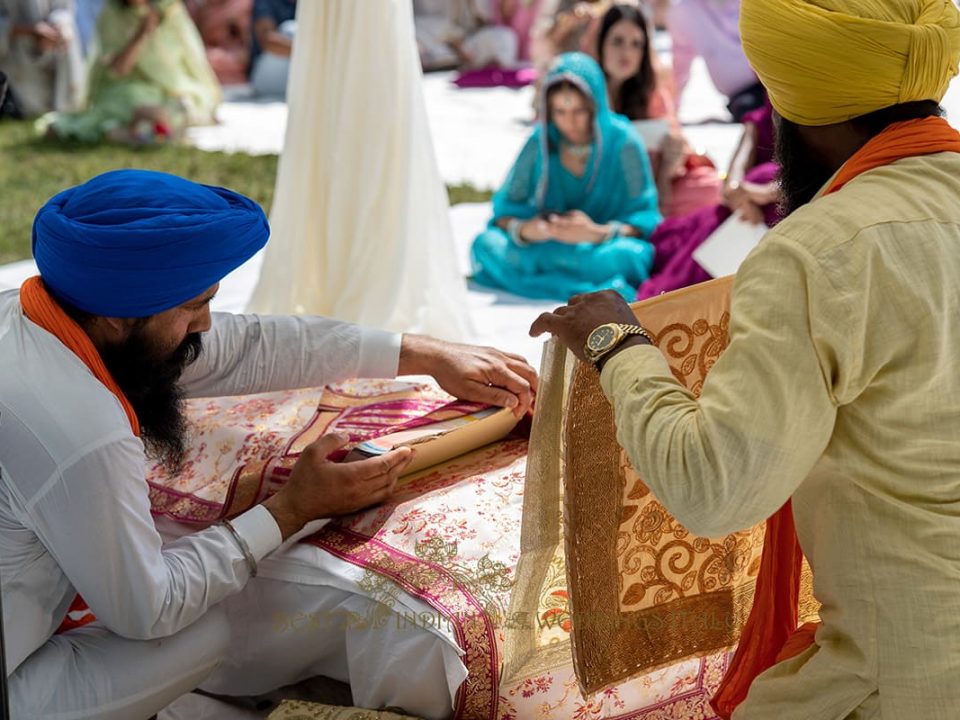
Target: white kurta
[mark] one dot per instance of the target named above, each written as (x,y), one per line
(360,218)
(75,517)
(42,80)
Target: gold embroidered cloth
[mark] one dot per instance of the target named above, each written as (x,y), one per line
(644,592)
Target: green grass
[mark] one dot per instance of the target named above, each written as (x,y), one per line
(33,170)
(467,194)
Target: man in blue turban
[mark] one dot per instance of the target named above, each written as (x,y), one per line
(96,356)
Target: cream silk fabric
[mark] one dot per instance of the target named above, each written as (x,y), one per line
(839,388)
(443,558)
(300,710)
(360,218)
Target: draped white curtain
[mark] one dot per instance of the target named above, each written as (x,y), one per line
(360,219)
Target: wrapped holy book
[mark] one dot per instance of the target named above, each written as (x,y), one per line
(441,441)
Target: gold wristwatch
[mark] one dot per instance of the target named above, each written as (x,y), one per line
(603,339)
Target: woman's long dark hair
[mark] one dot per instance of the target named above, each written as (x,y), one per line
(633,99)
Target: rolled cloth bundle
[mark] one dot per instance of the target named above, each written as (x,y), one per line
(827,61)
(133,243)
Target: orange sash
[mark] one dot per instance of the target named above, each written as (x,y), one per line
(771,634)
(42,309)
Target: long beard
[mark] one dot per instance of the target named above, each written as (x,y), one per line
(150,381)
(801,174)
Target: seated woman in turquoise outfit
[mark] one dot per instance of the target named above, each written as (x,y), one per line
(577,206)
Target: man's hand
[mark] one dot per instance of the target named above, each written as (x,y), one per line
(478,374)
(319,489)
(571,324)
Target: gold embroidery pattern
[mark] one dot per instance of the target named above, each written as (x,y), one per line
(695,348)
(676,595)
(660,561)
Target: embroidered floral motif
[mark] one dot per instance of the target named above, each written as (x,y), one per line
(417,545)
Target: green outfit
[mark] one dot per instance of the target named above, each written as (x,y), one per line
(171,71)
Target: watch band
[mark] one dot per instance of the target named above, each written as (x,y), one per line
(625,330)
(628,331)
(633,330)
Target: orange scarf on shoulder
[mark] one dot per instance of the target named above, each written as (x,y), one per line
(41,309)
(771,634)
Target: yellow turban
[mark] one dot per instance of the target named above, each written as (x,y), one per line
(827,61)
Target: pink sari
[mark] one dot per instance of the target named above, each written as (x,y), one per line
(522,19)
(676,238)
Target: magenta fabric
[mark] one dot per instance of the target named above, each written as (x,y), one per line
(762,120)
(699,187)
(496,77)
(675,240)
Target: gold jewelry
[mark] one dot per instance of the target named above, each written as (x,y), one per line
(605,338)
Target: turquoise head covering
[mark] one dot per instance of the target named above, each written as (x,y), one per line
(583,72)
(617,184)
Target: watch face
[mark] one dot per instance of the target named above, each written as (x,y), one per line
(601,338)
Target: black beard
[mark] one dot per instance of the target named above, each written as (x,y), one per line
(801,174)
(150,381)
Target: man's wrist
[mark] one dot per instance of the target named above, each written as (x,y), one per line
(418,355)
(630,341)
(286,518)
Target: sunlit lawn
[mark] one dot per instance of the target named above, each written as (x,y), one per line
(33,170)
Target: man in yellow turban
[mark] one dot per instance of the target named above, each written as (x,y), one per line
(836,406)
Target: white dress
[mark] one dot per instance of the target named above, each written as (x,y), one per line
(360,219)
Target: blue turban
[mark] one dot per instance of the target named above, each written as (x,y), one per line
(133,243)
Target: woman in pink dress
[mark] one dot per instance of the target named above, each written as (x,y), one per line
(521,16)
(686,180)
